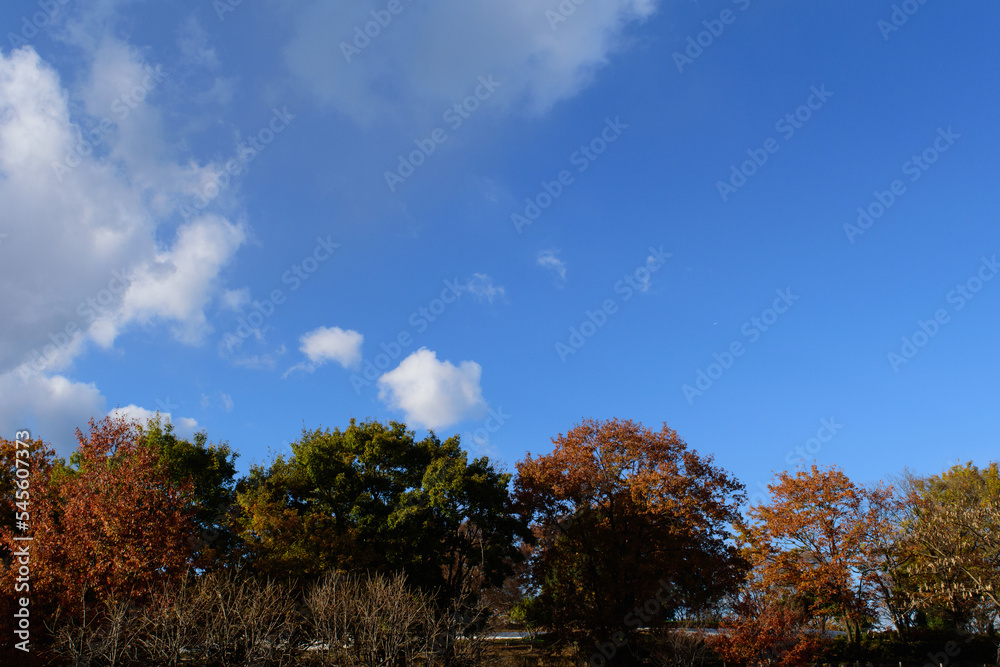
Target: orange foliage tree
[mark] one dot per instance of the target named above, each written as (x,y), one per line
(817,537)
(766,627)
(633,527)
(109,526)
(19,499)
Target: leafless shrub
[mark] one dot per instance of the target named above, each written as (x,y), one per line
(73,640)
(173,622)
(247,621)
(371,621)
(105,634)
(463,630)
(382,621)
(227,620)
(679,647)
(217,619)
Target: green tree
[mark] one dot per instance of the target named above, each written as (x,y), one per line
(954,533)
(374,498)
(211,471)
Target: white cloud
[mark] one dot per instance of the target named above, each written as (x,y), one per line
(481,286)
(225,400)
(432,393)
(184,427)
(86,255)
(411,64)
(93,243)
(176,284)
(52,408)
(329,344)
(333,344)
(547,259)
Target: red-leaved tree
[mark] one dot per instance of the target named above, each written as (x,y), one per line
(109,526)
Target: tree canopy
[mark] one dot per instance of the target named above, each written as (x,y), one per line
(615,528)
(625,515)
(373,497)
(816,537)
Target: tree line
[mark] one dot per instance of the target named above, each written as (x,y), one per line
(368,546)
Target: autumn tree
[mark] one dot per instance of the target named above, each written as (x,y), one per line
(893,553)
(25,464)
(765,624)
(632,527)
(954,532)
(110,526)
(816,537)
(36,461)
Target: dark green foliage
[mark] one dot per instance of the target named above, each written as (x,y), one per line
(373,498)
(211,469)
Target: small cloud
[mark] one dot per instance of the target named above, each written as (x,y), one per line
(329,344)
(432,393)
(227,401)
(653,263)
(334,344)
(223,91)
(547,259)
(481,286)
(185,427)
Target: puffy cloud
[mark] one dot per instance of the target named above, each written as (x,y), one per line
(176,284)
(330,344)
(91,243)
(411,63)
(432,393)
(184,427)
(52,408)
(85,204)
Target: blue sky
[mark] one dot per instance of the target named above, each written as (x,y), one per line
(213,179)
